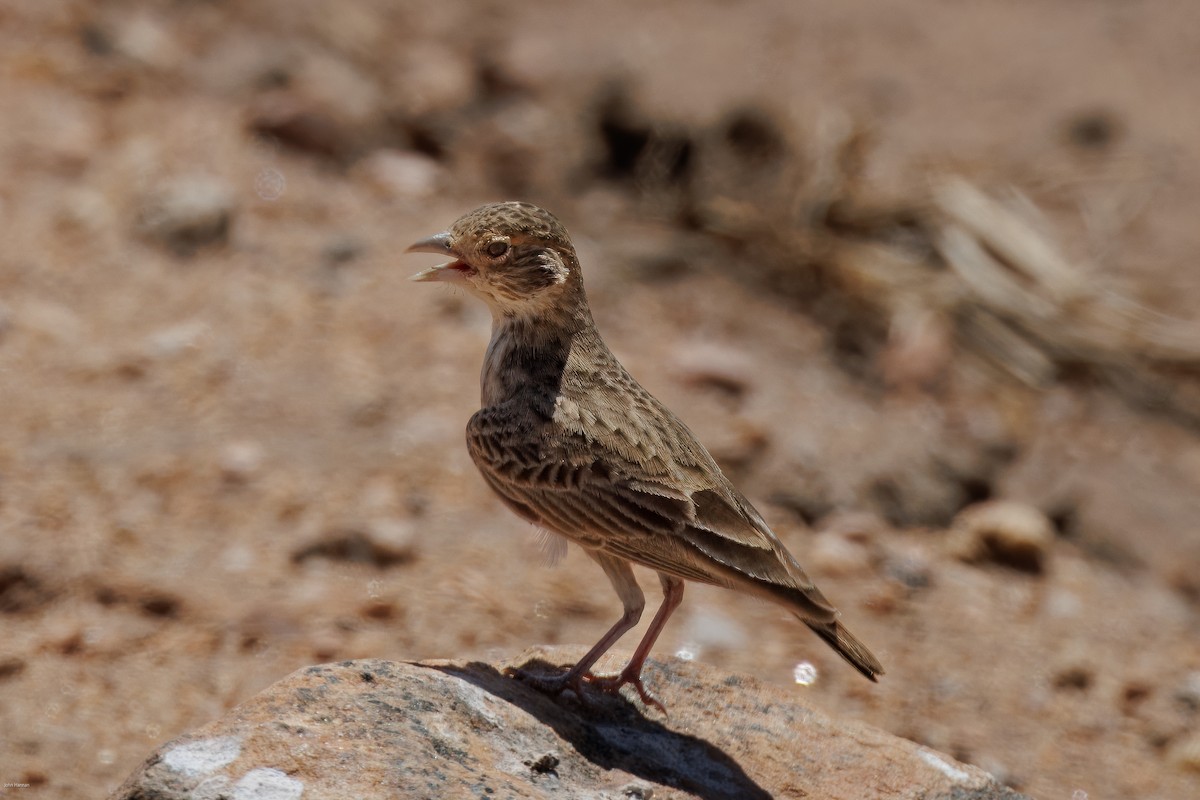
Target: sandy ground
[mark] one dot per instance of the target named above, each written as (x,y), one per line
(231,439)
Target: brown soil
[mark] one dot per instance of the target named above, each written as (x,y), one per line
(231,440)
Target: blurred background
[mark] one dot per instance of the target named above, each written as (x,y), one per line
(921,274)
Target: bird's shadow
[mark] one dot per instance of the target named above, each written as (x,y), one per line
(612,733)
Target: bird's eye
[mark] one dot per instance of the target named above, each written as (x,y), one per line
(497,248)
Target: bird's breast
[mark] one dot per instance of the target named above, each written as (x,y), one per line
(520,373)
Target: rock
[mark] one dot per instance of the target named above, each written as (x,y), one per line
(188,212)
(832,553)
(708,365)
(378,729)
(1188,693)
(1014,534)
(311,129)
(176,339)
(1185,754)
(241,461)
(400,174)
(327,106)
(382,542)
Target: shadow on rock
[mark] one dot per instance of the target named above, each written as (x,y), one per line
(612,733)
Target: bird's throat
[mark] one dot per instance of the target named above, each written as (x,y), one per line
(525,361)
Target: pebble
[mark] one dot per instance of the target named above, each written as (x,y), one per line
(910,565)
(175,340)
(1188,693)
(1006,532)
(861,526)
(188,212)
(144,37)
(393,538)
(85,210)
(241,461)
(47,319)
(836,554)
(1185,754)
(714,366)
(403,175)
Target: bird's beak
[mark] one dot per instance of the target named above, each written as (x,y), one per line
(438,243)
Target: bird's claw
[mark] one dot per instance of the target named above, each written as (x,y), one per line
(550,684)
(574,682)
(611,684)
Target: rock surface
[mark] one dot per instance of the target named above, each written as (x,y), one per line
(381,729)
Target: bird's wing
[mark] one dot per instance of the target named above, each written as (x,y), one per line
(677,515)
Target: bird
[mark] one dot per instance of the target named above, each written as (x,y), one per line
(573,444)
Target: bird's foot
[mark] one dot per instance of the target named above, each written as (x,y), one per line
(611,684)
(575,682)
(551,684)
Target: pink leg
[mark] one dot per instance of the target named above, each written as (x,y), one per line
(632,674)
(621,576)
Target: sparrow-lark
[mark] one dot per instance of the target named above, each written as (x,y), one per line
(572,443)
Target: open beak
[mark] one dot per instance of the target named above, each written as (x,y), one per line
(450,271)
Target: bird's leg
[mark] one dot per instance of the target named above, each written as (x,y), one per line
(621,577)
(632,674)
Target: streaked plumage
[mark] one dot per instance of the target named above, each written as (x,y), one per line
(572,443)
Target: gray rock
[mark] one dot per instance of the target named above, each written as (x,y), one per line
(379,729)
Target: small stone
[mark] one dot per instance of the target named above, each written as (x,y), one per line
(544,764)
(1188,693)
(860,526)
(241,461)
(342,250)
(394,538)
(1062,604)
(378,610)
(713,366)
(1094,129)
(188,212)
(910,565)
(919,351)
(835,554)
(176,339)
(1005,532)
(739,444)
(1074,677)
(1185,754)
(11,667)
(289,121)
(382,542)
(86,211)
(144,38)
(50,320)
(403,175)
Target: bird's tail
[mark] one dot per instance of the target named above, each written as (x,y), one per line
(848,647)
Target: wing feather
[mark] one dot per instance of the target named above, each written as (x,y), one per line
(679,517)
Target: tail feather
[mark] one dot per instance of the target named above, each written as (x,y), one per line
(848,647)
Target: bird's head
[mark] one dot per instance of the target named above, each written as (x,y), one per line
(515,256)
